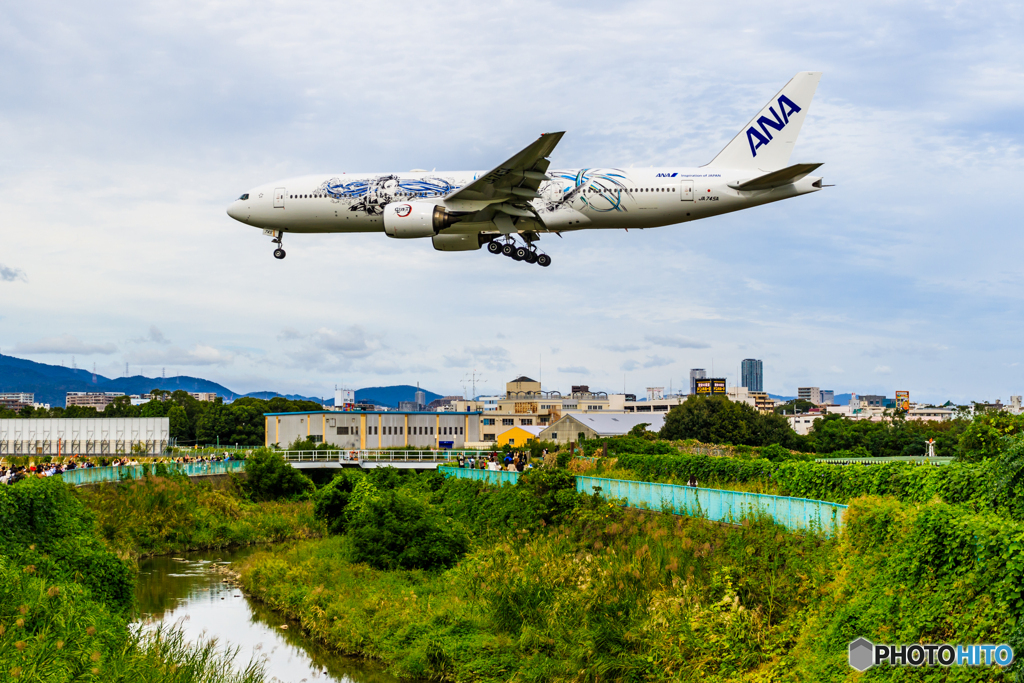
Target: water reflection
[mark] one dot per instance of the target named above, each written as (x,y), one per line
(185,591)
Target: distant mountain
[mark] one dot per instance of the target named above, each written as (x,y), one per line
(143,385)
(267,395)
(391,396)
(51,383)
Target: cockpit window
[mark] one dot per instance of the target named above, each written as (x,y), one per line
(243,197)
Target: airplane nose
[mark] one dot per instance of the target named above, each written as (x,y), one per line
(236,211)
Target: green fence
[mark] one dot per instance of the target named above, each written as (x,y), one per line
(98,475)
(713,504)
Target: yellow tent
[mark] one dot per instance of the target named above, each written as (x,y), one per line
(518,436)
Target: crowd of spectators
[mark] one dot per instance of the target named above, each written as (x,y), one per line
(10,474)
(511,462)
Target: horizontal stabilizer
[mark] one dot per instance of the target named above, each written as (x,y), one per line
(783,176)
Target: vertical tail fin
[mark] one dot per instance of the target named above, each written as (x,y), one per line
(766,142)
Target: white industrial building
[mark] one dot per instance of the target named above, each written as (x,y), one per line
(374,430)
(84,436)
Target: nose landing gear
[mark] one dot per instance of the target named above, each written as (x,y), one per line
(279,252)
(524,252)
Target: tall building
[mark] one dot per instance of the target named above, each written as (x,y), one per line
(828,397)
(812,394)
(696,374)
(751,375)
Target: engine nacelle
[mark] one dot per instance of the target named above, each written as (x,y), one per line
(458,242)
(408,220)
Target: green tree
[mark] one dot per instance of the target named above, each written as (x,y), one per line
(394,530)
(797,405)
(331,502)
(984,436)
(179,426)
(716,419)
(269,477)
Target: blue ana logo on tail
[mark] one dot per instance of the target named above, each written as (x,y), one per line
(764,136)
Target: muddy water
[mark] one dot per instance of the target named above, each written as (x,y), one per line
(184,591)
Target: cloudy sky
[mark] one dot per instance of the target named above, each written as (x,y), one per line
(127,127)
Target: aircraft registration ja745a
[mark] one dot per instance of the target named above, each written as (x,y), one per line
(511,206)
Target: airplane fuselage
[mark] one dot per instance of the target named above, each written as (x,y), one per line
(572,200)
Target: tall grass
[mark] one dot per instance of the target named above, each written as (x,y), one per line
(55,632)
(159,515)
(609,595)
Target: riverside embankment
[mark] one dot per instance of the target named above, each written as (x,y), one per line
(536,582)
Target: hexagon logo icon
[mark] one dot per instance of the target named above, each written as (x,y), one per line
(862,654)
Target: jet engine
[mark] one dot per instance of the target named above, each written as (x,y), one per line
(458,242)
(407,220)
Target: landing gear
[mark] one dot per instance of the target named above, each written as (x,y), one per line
(279,252)
(519,252)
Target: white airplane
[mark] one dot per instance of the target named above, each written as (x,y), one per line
(522,198)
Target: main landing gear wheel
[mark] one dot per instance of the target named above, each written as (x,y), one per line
(521,254)
(279,253)
(508,249)
(494,247)
(531,257)
(543,260)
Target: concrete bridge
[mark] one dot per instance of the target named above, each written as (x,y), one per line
(368,460)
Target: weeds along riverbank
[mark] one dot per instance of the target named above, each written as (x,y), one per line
(535,582)
(67,570)
(553,586)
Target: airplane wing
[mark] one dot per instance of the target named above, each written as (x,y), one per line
(517,179)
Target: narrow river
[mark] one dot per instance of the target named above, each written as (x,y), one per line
(184,591)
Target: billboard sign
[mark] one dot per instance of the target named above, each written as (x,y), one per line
(903,400)
(707,386)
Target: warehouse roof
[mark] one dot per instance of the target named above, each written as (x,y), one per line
(606,424)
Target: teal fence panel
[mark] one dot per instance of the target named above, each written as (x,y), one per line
(718,505)
(497,478)
(99,475)
(714,504)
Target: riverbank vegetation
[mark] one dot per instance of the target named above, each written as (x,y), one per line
(66,600)
(544,584)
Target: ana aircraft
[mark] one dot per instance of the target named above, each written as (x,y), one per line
(510,207)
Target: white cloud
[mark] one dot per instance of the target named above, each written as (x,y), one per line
(574,370)
(8,274)
(154,336)
(657,362)
(65,343)
(676,341)
(882,370)
(197,356)
(629,366)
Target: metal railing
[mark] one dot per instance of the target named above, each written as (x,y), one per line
(357,456)
(915,459)
(714,504)
(495,477)
(99,475)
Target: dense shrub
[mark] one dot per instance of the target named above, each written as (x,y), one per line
(269,477)
(393,530)
(43,525)
(330,502)
(975,485)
